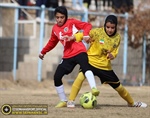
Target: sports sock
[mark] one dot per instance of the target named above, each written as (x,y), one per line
(76,86)
(125,94)
(90,77)
(61,93)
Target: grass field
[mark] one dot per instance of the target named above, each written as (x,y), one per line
(110,104)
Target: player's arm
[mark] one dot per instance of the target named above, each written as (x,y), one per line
(113,54)
(76,37)
(92,34)
(49,46)
(85,27)
(115,51)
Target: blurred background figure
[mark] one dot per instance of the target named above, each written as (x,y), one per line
(87,3)
(48,4)
(51,4)
(39,3)
(116,4)
(122,6)
(63,2)
(106,4)
(77,4)
(22,15)
(129,6)
(31,2)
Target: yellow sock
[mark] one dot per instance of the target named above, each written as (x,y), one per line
(125,94)
(76,86)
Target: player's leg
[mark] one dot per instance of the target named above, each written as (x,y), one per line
(127,97)
(113,81)
(75,89)
(124,94)
(60,87)
(111,78)
(83,62)
(63,68)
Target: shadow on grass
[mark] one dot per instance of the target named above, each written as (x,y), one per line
(99,106)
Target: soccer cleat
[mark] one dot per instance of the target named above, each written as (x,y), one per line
(95,92)
(70,104)
(61,104)
(138,104)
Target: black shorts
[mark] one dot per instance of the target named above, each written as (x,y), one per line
(66,66)
(106,76)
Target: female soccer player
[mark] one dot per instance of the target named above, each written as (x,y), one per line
(104,47)
(74,52)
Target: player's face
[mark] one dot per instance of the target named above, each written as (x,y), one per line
(110,28)
(60,19)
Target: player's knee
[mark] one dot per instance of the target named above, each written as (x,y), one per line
(119,88)
(116,85)
(57,80)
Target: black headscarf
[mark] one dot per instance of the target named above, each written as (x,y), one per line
(62,10)
(112,19)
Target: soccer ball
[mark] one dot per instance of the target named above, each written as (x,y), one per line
(88,101)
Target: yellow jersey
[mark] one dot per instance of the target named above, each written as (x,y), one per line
(100,44)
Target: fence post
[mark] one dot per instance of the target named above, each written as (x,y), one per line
(15,43)
(41,42)
(125,52)
(144,60)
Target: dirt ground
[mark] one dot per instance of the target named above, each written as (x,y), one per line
(110,105)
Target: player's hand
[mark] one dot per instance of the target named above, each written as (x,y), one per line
(41,56)
(68,38)
(109,56)
(86,39)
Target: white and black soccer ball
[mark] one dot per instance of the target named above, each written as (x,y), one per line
(88,101)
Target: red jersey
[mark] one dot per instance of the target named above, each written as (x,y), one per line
(71,48)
